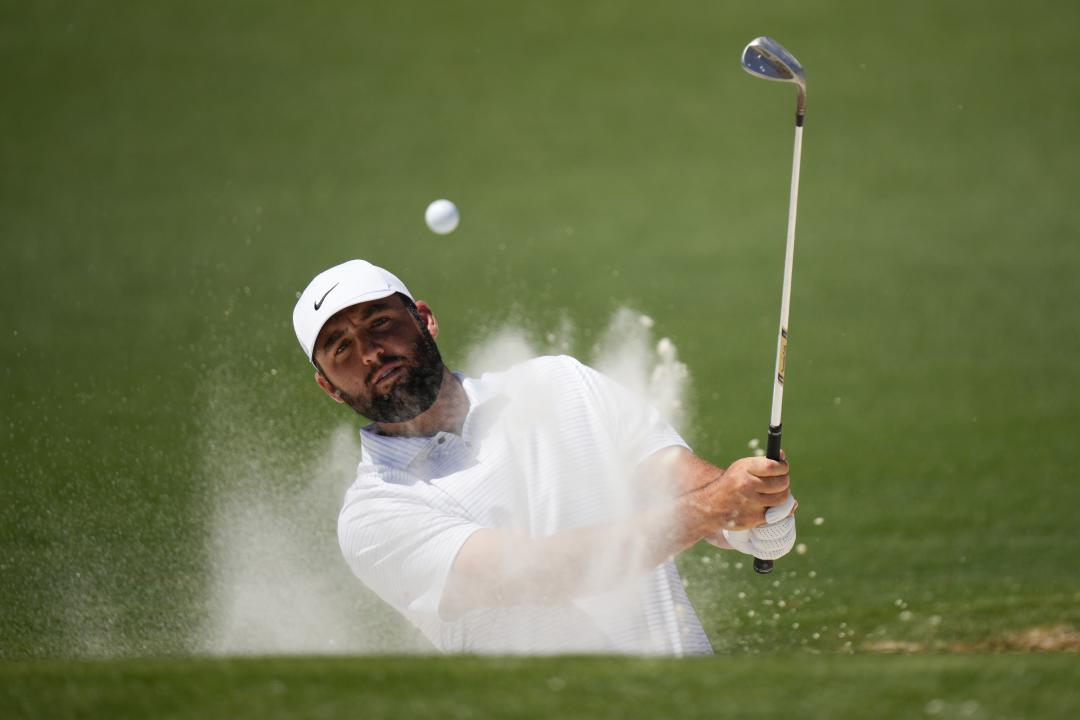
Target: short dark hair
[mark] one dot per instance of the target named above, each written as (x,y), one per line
(411,307)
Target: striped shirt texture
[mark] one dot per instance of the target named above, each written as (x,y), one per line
(548,445)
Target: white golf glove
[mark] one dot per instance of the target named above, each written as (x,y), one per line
(768,542)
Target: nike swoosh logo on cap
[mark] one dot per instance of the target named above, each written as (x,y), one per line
(320,302)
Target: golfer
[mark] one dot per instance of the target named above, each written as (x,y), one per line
(534,510)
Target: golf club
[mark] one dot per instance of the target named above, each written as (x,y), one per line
(766,58)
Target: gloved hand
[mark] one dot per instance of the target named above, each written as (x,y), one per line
(768,542)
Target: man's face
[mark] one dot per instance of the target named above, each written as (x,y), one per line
(380,358)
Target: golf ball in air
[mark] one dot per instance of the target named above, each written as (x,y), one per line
(442,217)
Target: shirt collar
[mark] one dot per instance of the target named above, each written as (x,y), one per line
(399,452)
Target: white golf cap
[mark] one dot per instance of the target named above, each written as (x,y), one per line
(344,285)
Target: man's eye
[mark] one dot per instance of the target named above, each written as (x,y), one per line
(380,322)
(341,347)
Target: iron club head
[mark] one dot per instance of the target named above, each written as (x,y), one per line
(766,58)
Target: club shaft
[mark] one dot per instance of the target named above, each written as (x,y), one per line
(773,452)
(785,297)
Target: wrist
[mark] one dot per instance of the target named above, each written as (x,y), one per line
(694,519)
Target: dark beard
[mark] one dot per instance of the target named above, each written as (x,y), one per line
(414,394)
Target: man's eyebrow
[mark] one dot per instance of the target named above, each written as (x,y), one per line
(331,339)
(373,308)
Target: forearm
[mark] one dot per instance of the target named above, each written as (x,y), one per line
(498,569)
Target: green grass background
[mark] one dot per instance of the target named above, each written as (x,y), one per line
(172,174)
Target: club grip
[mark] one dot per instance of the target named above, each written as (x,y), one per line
(772,451)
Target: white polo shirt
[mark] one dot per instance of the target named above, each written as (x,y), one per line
(547,446)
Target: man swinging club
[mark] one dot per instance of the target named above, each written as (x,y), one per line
(534,510)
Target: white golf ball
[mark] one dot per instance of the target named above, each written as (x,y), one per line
(442,217)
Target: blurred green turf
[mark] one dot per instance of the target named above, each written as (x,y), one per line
(171,174)
(981,686)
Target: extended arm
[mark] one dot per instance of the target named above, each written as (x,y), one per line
(495,568)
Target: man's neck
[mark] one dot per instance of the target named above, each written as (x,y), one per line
(446,414)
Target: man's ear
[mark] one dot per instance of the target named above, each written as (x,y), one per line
(328,387)
(428,316)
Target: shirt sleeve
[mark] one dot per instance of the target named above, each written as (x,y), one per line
(637,428)
(401,539)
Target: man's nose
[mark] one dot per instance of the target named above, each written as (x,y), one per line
(371,351)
